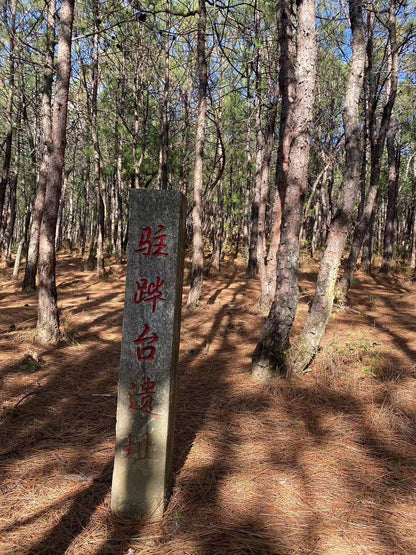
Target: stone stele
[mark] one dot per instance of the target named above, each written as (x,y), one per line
(149,354)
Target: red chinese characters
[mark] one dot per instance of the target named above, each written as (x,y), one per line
(153,246)
(142,400)
(146,350)
(137,450)
(149,292)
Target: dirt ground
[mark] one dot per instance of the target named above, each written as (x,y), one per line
(320,464)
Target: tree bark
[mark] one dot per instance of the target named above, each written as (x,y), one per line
(393,188)
(197,270)
(29,281)
(48,316)
(376,157)
(308,342)
(266,282)
(164,123)
(287,88)
(12,219)
(9,108)
(269,355)
(96,144)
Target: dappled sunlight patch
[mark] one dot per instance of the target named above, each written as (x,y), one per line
(324,463)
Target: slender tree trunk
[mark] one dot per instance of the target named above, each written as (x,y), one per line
(258,207)
(22,245)
(413,248)
(29,281)
(308,342)
(185,155)
(9,108)
(368,243)
(376,158)
(48,315)
(164,124)
(96,144)
(249,182)
(393,189)
(139,131)
(12,219)
(119,198)
(266,272)
(287,87)
(269,355)
(197,270)
(59,222)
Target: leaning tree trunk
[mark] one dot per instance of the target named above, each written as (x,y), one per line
(270,353)
(376,158)
(29,281)
(307,343)
(9,109)
(197,270)
(48,315)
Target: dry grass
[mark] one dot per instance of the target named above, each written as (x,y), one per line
(322,464)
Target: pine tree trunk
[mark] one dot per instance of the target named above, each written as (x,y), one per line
(164,120)
(376,156)
(249,178)
(59,222)
(48,316)
(9,109)
(29,281)
(197,270)
(368,244)
(287,86)
(308,342)
(22,245)
(269,355)
(391,200)
(413,248)
(257,210)
(266,272)
(12,218)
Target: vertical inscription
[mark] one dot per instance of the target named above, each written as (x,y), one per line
(149,353)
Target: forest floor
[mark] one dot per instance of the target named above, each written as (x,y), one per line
(320,464)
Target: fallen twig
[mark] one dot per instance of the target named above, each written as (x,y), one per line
(29,394)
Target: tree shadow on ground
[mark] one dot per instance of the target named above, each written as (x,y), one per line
(319,464)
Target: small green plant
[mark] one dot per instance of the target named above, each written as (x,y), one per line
(30,365)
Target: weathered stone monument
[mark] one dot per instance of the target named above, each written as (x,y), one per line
(149,354)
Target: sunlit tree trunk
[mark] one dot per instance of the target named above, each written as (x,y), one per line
(29,281)
(255,68)
(376,158)
(197,270)
(266,270)
(48,316)
(287,86)
(269,355)
(164,123)
(306,345)
(9,108)
(96,144)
